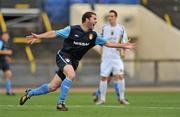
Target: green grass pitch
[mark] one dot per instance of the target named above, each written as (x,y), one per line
(143,104)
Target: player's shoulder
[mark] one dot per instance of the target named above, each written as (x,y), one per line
(94,33)
(120,26)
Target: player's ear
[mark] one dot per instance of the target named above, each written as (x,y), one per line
(87,19)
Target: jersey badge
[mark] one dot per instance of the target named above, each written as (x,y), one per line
(90,36)
(112,33)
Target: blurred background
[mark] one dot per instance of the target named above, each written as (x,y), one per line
(153,24)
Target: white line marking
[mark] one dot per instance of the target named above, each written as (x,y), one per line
(98,106)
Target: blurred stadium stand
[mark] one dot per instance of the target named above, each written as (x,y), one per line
(162,7)
(57,10)
(25,16)
(119,1)
(16,3)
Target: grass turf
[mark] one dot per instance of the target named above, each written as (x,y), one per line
(143,104)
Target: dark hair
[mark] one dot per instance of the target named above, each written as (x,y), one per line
(87,15)
(113,11)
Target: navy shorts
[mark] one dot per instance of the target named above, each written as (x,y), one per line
(4,65)
(62,60)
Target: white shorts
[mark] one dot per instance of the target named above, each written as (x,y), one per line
(116,67)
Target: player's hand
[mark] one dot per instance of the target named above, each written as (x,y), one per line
(130,45)
(32,38)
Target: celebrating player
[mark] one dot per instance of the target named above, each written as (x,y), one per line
(78,39)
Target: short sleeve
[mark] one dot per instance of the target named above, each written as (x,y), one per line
(125,37)
(100,40)
(63,32)
(1,45)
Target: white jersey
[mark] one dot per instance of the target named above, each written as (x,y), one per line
(115,34)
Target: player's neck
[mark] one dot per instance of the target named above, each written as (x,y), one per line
(113,24)
(84,28)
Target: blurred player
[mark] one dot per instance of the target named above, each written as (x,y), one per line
(112,61)
(78,39)
(4,63)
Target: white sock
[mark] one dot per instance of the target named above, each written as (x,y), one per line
(121,84)
(103,88)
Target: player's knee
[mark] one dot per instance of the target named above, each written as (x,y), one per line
(72,76)
(8,74)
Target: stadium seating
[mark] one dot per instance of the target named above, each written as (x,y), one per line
(13,3)
(162,7)
(57,10)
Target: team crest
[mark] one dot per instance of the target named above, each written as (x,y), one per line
(90,36)
(112,33)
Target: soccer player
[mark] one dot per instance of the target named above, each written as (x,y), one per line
(4,65)
(112,61)
(78,39)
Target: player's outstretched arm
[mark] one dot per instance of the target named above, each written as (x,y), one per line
(34,37)
(6,52)
(120,45)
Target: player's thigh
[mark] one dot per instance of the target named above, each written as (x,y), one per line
(118,67)
(5,66)
(6,70)
(105,68)
(69,71)
(66,67)
(8,74)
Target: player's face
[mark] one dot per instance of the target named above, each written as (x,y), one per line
(5,36)
(92,22)
(112,18)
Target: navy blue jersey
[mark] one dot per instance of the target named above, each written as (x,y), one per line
(77,42)
(2,47)
(3,63)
